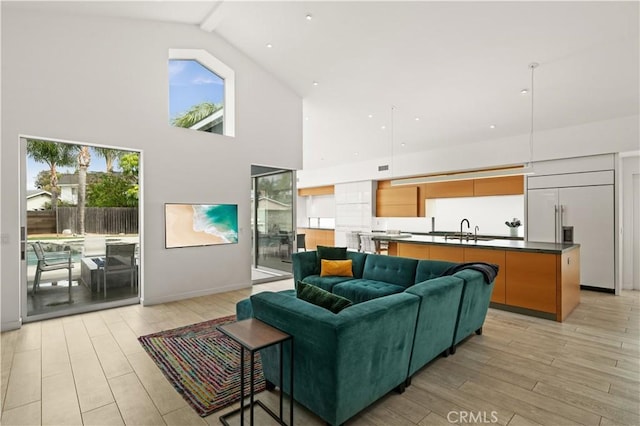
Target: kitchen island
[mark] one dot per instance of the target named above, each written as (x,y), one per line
(541,279)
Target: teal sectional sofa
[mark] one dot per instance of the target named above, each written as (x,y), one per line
(405,314)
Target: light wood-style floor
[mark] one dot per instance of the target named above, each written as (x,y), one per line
(89,369)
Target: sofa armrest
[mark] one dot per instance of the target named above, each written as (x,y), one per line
(343,362)
(437,318)
(304,263)
(476,297)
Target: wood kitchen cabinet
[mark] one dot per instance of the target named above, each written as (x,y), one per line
(409,201)
(531,281)
(317,237)
(447,253)
(456,188)
(397,202)
(528,280)
(413,251)
(506,185)
(496,257)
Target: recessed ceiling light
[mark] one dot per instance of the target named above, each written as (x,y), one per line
(269,45)
(308,17)
(370,116)
(306,118)
(524,91)
(315,83)
(492,126)
(355,153)
(403,144)
(383,127)
(417,118)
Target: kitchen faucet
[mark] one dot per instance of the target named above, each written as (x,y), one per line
(468,227)
(475,233)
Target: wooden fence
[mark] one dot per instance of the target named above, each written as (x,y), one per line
(97,220)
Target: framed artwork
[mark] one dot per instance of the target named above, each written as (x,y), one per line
(193,225)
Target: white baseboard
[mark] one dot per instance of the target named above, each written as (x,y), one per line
(148,301)
(10,325)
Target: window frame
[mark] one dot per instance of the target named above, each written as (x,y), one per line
(218,67)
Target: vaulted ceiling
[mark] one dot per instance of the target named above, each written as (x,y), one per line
(415,76)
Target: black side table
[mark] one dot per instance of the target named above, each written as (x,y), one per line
(253,335)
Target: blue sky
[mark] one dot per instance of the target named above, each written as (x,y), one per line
(190,83)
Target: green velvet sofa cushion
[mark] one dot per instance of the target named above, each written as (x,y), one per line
(330,253)
(358,260)
(359,291)
(342,362)
(436,323)
(325,283)
(304,263)
(428,269)
(476,296)
(319,297)
(390,269)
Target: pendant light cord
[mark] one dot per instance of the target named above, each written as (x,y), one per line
(532,67)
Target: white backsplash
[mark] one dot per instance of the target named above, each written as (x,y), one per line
(488,213)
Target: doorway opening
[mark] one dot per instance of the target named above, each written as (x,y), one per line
(80,227)
(272,223)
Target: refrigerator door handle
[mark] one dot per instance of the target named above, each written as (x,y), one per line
(555,223)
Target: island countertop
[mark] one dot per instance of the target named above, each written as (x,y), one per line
(497,244)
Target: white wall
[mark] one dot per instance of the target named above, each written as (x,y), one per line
(104,81)
(602,137)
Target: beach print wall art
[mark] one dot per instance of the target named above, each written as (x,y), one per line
(191,225)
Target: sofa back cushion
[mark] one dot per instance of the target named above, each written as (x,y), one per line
(429,269)
(391,269)
(357,260)
(330,253)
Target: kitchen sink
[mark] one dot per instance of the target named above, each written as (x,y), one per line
(471,239)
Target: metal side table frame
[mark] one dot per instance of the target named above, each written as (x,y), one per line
(254,335)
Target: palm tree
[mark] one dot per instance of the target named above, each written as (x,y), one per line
(84,159)
(53,154)
(110,156)
(195,114)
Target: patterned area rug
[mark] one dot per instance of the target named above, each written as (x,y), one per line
(203,364)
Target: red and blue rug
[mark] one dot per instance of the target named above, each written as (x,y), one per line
(202,364)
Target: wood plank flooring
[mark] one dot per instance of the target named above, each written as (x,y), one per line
(90,369)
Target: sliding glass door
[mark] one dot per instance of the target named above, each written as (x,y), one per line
(273,220)
(80,228)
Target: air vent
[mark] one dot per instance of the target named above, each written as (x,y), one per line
(383,168)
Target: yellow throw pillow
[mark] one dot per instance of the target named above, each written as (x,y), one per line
(336,268)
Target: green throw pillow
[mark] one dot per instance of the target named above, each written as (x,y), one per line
(319,297)
(330,253)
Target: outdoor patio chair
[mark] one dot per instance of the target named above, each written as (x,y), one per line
(120,257)
(94,246)
(300,242)
(50,261)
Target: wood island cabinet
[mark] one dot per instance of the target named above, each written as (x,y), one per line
(543,282)
(447,253)
(531,281)
(317,237)
(496,257)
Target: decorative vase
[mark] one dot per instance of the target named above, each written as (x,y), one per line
(513,232)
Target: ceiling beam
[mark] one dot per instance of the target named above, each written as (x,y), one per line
(211,21)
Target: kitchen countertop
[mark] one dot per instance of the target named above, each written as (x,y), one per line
(495,244)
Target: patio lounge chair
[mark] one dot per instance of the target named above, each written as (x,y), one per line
(50,262)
